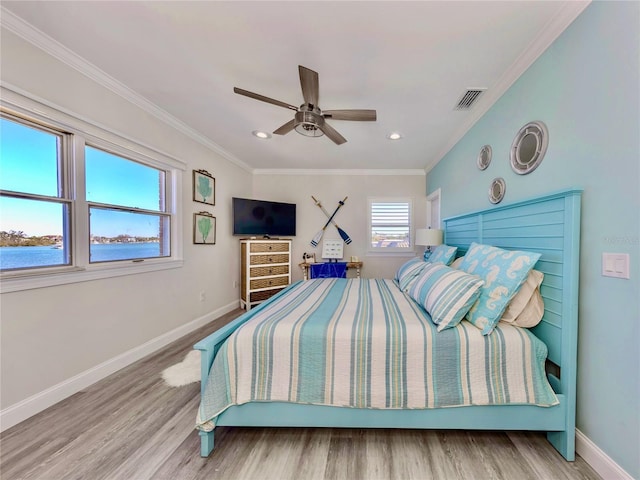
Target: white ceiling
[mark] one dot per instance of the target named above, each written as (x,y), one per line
(411,61)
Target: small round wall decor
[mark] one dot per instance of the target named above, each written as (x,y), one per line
(484,157)
(528,147)
(497,190)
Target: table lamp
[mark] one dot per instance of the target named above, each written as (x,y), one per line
(429,237)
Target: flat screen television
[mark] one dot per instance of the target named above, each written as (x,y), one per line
(263,218)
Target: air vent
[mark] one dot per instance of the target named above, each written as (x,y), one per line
(469,98)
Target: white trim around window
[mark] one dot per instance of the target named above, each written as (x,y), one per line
(400,220)
(85,132)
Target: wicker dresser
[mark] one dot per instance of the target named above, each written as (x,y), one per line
(265,269)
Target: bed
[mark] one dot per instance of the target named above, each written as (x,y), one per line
(308,396)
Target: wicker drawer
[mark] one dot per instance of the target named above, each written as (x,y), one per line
(269,247)
(266,271)
(268,282)
(267,259)
(264,295)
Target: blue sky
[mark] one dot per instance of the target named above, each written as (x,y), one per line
(28,163)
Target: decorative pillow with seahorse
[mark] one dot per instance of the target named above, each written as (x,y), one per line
(442,254)
(503,272)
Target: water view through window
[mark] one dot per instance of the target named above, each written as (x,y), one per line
(125,202)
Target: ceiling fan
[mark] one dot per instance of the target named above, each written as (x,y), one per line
(309,120)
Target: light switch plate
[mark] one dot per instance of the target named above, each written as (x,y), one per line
(615,265)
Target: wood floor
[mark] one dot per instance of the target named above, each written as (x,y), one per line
(132,426)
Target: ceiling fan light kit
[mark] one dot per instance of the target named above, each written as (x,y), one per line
(309,124)
(309,120)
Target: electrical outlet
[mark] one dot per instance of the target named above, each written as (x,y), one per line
(203,296)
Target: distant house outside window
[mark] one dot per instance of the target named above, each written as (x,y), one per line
(35,203)
(127,218)
(78,202)
(390,228)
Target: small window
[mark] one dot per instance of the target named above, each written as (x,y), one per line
(390,225)
(127,217)
(36,210)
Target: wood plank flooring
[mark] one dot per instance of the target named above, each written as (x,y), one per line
(132,426)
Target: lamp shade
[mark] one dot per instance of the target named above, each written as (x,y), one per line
(429,236)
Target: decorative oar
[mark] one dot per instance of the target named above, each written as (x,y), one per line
(318,236)
(342,233)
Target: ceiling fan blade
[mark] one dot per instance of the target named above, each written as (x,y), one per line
(262,98)
(332,133)
(286,128)
(357,115)
(309,84)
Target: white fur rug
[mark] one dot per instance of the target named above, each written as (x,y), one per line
(185,372)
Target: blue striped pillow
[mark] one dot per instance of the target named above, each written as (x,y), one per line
(408,271)
(445,293)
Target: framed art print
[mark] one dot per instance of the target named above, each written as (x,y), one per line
(204,187)
(204,228)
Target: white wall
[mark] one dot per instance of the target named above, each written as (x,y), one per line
(352,217)
(52,334)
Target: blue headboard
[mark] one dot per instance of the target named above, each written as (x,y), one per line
(549,225)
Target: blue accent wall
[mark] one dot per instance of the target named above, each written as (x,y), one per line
(586,88)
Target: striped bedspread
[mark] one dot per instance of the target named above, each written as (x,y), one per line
(364,343)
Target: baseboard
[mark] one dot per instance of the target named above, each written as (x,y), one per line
(34,404)
(602,463)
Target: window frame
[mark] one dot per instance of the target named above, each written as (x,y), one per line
(114,207)
(83,132)
(390,251)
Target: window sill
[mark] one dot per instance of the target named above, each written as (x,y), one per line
(17,282)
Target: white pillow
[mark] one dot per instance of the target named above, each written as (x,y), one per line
(532,313)
(527,302)
(456,263)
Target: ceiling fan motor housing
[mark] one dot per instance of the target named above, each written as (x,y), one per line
(308,123)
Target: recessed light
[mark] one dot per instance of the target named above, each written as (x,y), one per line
(394,136)
(261,134)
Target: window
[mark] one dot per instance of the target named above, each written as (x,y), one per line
(126,199)
(78,200)
(34,203)
(390,225)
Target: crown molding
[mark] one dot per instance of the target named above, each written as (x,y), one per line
(26,103)
(554,28)
(44,42)
(338,172)
(565,16)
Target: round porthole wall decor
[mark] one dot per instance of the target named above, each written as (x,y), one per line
(497,190)
(484,157)
(528,147)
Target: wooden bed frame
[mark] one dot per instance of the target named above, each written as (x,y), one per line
(549,225)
